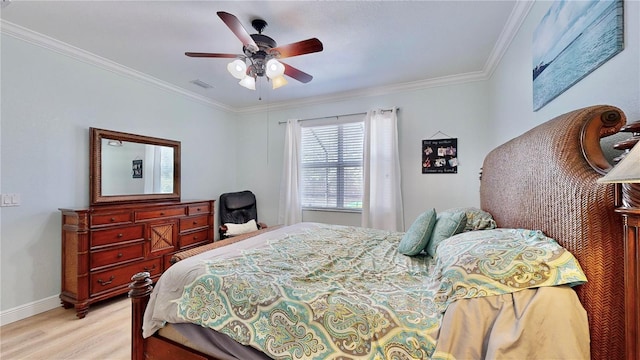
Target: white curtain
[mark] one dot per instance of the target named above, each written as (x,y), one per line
(290,209)
(382,197)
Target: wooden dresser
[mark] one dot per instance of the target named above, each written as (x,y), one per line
(104,246)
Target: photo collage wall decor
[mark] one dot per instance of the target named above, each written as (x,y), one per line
(440,156)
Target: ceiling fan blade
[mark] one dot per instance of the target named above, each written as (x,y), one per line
(299,48)
(212,55)
(297,74)
(236,27)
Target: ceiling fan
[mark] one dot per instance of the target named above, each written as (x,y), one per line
(261,53)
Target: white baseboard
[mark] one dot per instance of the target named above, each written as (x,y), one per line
(30,309)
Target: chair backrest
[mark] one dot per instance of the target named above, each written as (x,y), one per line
(237,207)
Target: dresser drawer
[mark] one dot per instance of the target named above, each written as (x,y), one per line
(116,255)
(193,222)
(113,236)
(201,208)
(116,218)
(113,278)
(160,213)
(193,238)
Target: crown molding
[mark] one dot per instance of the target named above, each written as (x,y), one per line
(509,31)
(369,92)
(516,18)
(76,53)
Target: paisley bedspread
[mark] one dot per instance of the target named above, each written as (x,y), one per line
(315,291)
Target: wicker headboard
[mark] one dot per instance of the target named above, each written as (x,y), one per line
(546,179)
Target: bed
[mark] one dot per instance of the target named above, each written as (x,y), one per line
(544,280)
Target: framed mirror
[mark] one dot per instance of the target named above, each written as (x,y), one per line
(132,168)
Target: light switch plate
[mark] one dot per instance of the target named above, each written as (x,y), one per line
(10,200)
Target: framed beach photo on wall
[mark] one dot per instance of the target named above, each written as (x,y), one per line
(573,39)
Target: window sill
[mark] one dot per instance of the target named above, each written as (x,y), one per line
(355,211)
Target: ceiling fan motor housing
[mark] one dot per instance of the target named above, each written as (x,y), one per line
(264,42)
(259,58)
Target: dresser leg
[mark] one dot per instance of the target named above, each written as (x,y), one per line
(82,310)
(66,305)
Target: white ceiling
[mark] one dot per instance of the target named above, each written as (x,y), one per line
(369,46)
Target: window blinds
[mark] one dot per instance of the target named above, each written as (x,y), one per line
(331,159)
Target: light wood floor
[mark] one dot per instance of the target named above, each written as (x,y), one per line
(104,334)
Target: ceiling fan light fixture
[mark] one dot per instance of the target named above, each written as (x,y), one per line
(278,81)
(116,143)
(259,55)
(238,69)
(249,82)
(274,69)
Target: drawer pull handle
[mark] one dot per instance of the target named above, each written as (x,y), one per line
(120,235)
(198,210)
(161,213)
(195,223)
(112,219)
(146,268)
(195,237)
(119,255)
(107,282)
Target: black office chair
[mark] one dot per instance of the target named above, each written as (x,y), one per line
(237,208)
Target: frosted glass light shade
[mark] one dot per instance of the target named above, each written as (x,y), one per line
(114,143)
(278,82)
(274,69)
(627,170)
(238,69)
(249,82)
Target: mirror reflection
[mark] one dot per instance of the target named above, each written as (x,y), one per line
(607,145)
(130,168)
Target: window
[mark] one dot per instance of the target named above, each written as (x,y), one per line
(331,168)
(166,169)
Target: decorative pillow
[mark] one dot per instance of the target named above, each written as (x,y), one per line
(499,261)
(417,237)
(477,219)
(447,225)
(237,229)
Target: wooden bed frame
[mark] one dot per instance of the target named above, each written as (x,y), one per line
(543,179)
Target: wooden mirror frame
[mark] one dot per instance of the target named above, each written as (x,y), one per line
(95,168)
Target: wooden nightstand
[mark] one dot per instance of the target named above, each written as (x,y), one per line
(627,195)
(631,221)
